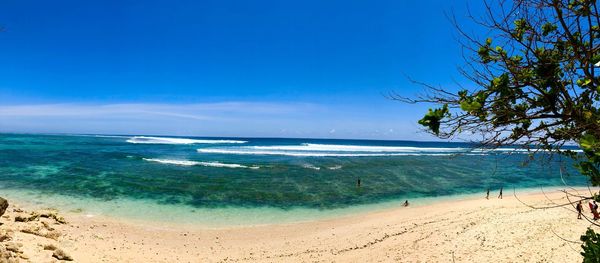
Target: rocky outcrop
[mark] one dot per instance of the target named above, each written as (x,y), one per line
(6,256)
(34,216)
(6,235)
(40,230)
(61,255)
(18,223)
(10,252)
(25,218)
(53,215)
(50,247)
(13,247)
(3,206)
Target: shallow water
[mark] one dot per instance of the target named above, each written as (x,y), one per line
(233,180)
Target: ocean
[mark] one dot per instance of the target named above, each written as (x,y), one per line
(232,181)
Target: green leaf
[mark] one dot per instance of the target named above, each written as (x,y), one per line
(588,142)
(433,118)
(548,28)
(470,106)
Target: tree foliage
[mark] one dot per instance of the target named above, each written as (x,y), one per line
(591,247)
(534,83)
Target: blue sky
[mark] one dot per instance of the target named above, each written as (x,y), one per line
(224,68)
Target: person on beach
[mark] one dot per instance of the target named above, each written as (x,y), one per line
(579,209)
(594,209)
(500,195)
(487,196)
(406,203)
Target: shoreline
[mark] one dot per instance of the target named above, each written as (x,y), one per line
(229,217)
(465,230)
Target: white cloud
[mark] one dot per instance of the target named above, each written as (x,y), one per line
(214,119)
(192,111)
(235,119)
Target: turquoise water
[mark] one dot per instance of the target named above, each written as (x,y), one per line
(251,180)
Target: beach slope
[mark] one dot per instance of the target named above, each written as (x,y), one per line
(471,230)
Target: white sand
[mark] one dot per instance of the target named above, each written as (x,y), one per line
(461,231)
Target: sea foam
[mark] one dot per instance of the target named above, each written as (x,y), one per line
(310,166)
(171,140)
(354,148)
(192,163)
(249,151)
(335,150)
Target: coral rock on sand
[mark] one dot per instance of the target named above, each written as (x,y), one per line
(44,223)
(41,231)
(36,215)
(61,255)
(26,218)
(53,215)
(50,247)
(13,247)
(6,256)
(3,206)
(5,235)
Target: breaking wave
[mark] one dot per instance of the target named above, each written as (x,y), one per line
(192,163)
(311,154)
(333,150)
(354,148)
(310,166)
(171,140)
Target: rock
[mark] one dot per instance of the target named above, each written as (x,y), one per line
(49,247)
(26,218)
(3,252)
(52,234)
(5,235)
(6,256)
(21,218)
(60,219)
(36,215)
(3,205)
(61,255)
(47,225)
(13,247)
(52,214)
(39,231)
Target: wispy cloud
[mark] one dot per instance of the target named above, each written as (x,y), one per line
(215,119)
(235,119)
(200,111)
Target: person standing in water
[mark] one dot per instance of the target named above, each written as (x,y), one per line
(358,182)
(500,195)
(487,196)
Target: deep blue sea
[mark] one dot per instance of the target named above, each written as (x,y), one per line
(253,180)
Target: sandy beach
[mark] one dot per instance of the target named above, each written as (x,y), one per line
(472,230)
